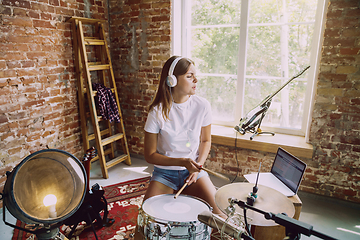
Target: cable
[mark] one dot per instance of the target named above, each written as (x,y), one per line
(246,223)
(237,162)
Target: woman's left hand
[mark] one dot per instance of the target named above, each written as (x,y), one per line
(192,178)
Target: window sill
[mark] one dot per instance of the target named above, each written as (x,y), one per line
(296,145)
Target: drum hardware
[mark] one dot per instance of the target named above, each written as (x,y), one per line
(294,228)
(230,210)
(192,231)
(162,217)
(268,200)
(225,226)
(157,231)
(167,227)
(252,120)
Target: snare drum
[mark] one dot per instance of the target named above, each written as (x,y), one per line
(163,217)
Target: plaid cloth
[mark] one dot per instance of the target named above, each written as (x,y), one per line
(106,103)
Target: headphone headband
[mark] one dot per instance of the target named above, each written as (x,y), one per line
(171,78)
(173,65)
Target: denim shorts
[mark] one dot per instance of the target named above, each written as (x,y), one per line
(173,178)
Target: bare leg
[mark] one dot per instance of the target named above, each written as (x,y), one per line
(155,188)
(204,189)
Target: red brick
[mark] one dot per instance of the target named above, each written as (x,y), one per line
(20,39)
(352,32)
(13,64)
(54,2)
(332,33)
(5,10)
(34,14)
(34,103)
(349,51)
(26,64)
(64,11)
(341,4)
(17,3)
(19,21)
(36,55)
(3,119)
(333,77)
(20,12)
(33,137)
(43,24)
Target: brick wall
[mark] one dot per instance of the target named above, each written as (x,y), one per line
(140,45)
(140,42)
(38,104)
(335,128)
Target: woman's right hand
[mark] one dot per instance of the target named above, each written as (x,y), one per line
(191,165)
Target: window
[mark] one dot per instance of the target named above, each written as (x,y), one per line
(246,50)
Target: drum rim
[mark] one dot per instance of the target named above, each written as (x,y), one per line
(167,221)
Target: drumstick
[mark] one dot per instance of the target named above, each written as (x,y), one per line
(181,189)
(215,174)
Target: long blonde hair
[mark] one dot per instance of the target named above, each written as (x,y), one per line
(163,96)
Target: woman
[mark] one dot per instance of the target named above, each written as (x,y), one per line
(178,134)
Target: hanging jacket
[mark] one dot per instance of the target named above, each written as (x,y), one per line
(106,103)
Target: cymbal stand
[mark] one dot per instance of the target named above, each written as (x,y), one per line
(294,228)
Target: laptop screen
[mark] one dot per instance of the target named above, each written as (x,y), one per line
(288,169)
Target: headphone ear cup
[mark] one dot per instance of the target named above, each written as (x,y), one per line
(171,80)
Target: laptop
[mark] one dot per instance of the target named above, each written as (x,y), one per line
(285,175)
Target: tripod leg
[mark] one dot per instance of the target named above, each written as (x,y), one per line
(258,130)
(107,222)
(92,225)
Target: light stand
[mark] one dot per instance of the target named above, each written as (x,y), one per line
(49,172)
(294,228)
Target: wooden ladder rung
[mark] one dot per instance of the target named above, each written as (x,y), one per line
(87,20)
(99,67)
(94,41)
(102,133)
(106,152)
(100,118)
(116,160)
(112,139)
(100,60)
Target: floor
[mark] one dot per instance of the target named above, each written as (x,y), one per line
(332,217)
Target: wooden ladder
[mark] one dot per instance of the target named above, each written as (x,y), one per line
(93,46)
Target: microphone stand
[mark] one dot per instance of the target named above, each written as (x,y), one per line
(252,121)
(294,228)
(253,195)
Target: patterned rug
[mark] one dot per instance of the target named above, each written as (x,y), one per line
(124,200)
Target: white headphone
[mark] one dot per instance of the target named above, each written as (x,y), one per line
(171,79)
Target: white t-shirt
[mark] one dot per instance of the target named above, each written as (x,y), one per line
(179,137)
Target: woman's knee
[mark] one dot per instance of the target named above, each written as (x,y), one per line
(156,188)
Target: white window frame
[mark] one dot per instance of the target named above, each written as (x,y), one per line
(180,35)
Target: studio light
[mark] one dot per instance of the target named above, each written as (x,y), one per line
(44,189)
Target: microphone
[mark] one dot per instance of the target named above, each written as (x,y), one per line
(216,222)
